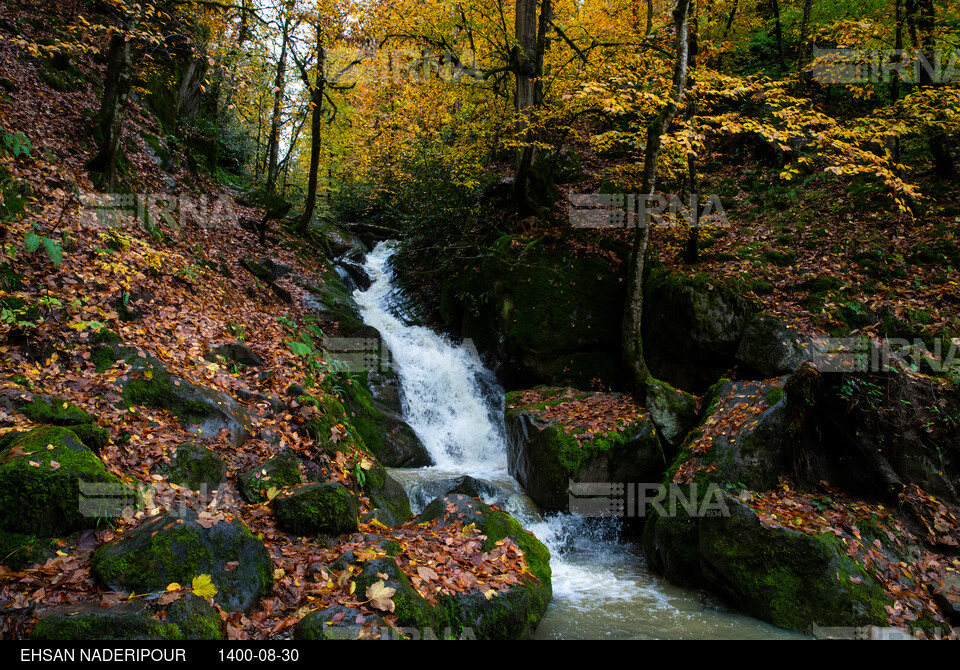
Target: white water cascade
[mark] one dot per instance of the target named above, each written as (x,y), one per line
(601,588)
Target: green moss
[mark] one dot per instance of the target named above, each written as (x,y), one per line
(327,508)
(789,580)
(94,437)
(104,626)
(159,391)
(195,618)
(105,336)
(43,500)
(55,411)
(103,358)
(277,472)
(549,302)
(774,396)
(19,549)
(65,79)
(197,468)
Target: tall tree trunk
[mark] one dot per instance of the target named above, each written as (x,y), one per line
(631,335)
(898,46)
(938,140)
(778,31)
(279,84)
(116,91)
(692,251)
(525,69)
(316,126)
(805,34)
(649,18)
(726,30)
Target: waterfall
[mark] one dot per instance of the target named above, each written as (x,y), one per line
(601,586)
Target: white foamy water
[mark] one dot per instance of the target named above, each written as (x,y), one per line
(449,398)
(601,587)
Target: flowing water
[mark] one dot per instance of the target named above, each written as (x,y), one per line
(601,587)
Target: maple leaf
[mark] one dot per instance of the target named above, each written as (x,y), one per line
(426,574)
(203,587)
(380,596)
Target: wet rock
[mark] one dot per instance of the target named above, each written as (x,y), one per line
(178,546)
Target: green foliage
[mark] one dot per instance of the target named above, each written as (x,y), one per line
(32,241)
(16,144)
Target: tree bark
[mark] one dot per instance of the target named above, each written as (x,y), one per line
(631,334)
(116,91)
(524,56)
(279,85)
(316,127)
(805,34)
(938,141)
(778,31)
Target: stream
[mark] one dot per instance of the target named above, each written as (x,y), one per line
(601,586)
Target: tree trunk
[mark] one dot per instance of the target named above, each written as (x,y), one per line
(805,34)
(938,140)
(279,84)
(898,46)
(778,31)
(692,251)
(316,126)
(525,69)
(631,335)
(116,91)
(726,30)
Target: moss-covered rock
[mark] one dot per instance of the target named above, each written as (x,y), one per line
(692,327)
(175,547)
(549,312)
(57,412)
(513,614)
(388,501)
(196,618)
(328,508)
(18,549)
(45,480)
(203,411)
(545,458)
(385,434)
(791,579)
(673,411)
(340,623)
(771,347)
(198,468)
(276,472)
(774,573)
(129,622)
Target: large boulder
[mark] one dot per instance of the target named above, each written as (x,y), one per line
(51,484)
(91,622)
(188,618)
(378,421)
(764,559)
(545,455)
(57,412)
(389,503)
(770,347)
(180,545)
(515,613)
(327,508)
(792,579)
(546,312)
(692,327)
(202,410)
(487,611)
(198,468)
(277,472)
